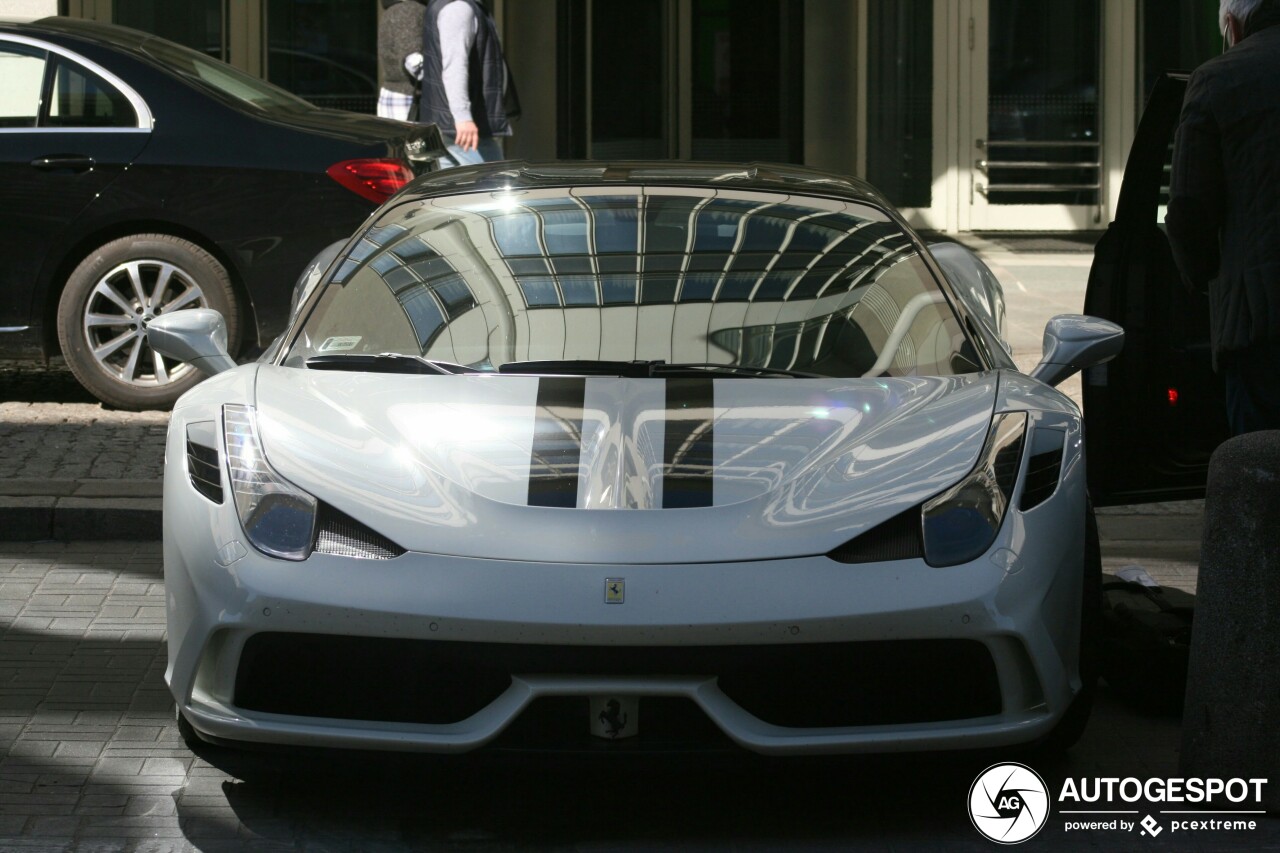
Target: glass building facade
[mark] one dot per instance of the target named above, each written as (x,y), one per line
(971,115)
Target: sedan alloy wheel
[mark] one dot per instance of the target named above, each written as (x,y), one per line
(111,297)
(116,315)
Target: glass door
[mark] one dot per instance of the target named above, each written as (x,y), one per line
(1035,72)
(687,79)
(902,125)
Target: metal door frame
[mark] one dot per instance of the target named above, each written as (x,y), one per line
(961,43)
(976,150)
(943,213)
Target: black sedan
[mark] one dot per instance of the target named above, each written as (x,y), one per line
(138,177)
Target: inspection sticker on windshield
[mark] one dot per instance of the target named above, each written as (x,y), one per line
(340,344)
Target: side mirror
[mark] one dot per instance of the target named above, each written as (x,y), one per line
(197,336)
(1073,342)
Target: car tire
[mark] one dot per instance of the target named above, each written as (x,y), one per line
(110,297)
(1069,729)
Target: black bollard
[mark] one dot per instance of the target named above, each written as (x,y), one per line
(1231,722)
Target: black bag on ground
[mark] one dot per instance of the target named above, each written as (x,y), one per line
(1146,639)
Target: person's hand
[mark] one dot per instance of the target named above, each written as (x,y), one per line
(468,136)
(413,66)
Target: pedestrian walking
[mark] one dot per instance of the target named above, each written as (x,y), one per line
(466,87)
(1224,207)
(399,38)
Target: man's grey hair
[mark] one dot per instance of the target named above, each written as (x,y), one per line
(1241,10)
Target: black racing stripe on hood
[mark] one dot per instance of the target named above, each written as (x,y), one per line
(554,463)
(688,456)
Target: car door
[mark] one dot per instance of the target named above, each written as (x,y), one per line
(1154,414)
(67,130)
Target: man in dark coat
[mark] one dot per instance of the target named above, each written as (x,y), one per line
(1224,207)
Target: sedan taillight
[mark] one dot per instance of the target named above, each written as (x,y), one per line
(375,179)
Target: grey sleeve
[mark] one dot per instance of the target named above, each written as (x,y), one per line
(457,25)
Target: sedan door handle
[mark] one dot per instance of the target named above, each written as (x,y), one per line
(60,162)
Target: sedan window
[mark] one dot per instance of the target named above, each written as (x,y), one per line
(22,70)
(83,99)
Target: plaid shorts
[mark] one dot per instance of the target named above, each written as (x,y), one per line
(394,105)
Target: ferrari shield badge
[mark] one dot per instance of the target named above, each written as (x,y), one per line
(615,717)
(615,590)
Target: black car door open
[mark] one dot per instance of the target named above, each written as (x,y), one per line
(1155,413)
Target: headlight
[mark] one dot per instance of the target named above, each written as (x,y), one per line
(961,523)
(278,518)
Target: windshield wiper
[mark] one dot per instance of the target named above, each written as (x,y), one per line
(662,368)
(387,362)
(644,369)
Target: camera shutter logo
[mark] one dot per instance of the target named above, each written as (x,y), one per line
(1008,803)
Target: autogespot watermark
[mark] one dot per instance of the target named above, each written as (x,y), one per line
(1009,803)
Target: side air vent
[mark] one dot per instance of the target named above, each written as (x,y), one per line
(1044,467)
(899,538)
(341,535)
(203,466)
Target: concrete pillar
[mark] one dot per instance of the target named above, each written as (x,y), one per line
(1231,723)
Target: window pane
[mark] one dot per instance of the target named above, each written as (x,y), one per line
(22,70)
(83,99)
(1177,35)
(748,80)
(1043,102)
(194,23)
(325,51)
(628,63)
(900,100)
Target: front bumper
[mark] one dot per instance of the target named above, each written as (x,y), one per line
(1020,604)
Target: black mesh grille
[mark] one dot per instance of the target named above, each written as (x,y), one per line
(899,538)
(1044,467)
(800,685)
(204,470)
(1006,463)
(1042,478)
(341,535)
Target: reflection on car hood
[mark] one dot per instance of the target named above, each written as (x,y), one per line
(614,470)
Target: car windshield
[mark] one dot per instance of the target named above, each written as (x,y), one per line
(755,283)
(221,77)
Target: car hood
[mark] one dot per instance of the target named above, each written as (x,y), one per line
(612,470)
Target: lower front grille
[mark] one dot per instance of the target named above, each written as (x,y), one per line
(667,724)
(799,685)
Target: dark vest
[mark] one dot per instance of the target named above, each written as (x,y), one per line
(486,75)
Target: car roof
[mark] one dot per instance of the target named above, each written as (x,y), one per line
(765,177)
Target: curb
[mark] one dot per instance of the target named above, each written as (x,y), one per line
(75,510)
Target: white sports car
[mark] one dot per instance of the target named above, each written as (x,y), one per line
(634,455)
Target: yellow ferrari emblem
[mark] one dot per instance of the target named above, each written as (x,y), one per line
(615,590)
